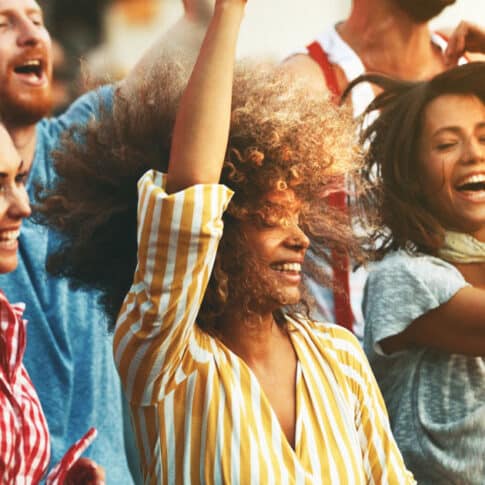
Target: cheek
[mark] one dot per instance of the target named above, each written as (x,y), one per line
(3,207)
(436,176)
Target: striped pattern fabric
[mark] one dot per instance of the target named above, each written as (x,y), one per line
(24,437)
(199,412)
(59,473)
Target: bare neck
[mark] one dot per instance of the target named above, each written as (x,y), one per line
(255,339)
(390,42)
(24,139)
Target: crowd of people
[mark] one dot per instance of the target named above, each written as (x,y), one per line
(191,226)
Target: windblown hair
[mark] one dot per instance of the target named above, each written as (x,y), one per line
(280,136)
(393,167)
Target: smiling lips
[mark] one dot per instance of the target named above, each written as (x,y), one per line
(472,187)
(9,239)
(290,271)
(287,267)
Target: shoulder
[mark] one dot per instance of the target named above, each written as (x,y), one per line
(402,267)
(80,112)
(401,288)
(305,69)
(50,131)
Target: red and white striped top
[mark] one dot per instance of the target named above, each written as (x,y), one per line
(24,436)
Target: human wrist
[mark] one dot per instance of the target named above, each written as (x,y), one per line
(230,7)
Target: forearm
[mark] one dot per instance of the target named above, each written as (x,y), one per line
(202,124)
(457,326)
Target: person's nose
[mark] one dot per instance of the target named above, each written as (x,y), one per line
(298,240)
(19,206)
(29,34)
(474,150)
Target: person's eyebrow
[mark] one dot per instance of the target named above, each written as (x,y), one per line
(4,174)
(456,129)
(29,11)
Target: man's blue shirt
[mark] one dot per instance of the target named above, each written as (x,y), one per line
(69,352)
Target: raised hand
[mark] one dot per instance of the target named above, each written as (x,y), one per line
(467,37)
(199,11)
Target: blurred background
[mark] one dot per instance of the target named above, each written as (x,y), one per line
(103,38)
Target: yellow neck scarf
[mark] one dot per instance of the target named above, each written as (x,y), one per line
(459,247)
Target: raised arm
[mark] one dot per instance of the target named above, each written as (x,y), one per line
(179,230)
(202,124)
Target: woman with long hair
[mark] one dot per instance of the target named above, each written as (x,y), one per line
(424,301)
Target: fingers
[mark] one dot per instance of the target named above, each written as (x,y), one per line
(85,472)
(456,44)
(466,37)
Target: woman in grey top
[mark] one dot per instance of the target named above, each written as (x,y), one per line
(424,302)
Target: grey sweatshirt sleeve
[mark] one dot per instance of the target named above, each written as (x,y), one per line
(401,288)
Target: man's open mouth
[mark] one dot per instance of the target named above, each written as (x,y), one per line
(32,68)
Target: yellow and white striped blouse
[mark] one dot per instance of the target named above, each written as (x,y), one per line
(199,412)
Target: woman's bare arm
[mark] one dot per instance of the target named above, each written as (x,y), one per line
(457,326)
(202,124)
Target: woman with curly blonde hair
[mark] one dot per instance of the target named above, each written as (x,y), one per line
(227,381)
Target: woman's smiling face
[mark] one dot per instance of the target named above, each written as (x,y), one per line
(452,158)
(278,245)
(14,201)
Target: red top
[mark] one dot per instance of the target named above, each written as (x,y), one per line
(24,436)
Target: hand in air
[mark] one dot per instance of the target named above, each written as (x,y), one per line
(199,11)
(85,472)
(467,37)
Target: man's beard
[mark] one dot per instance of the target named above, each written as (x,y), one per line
(24,109)
(423,10)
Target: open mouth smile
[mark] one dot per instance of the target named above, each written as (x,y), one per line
(31,71)
(472,187)
(289,271)
(9,239)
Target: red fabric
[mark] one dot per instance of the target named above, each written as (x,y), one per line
(24,436)
(320,56)
(340,262)
(59,473)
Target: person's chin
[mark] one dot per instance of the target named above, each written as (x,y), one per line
(291,296)
(27,109)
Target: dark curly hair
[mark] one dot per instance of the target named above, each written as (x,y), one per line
(392,165)
(280,136)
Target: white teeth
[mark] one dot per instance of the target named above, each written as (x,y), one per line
(287,267)
(33,62)
(473,179)
(9,235)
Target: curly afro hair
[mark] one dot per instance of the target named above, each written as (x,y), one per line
(281,136)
